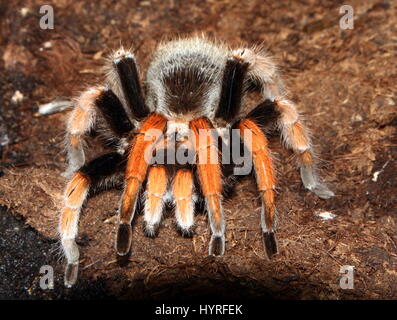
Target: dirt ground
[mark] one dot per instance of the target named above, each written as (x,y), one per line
(344,82)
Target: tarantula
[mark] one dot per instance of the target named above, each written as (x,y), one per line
(192,86)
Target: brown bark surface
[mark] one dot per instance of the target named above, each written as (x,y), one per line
(343,81)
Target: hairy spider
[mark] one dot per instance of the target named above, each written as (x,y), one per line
(192,85)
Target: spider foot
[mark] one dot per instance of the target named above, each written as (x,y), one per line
(186,232)
(217,246)
(310,181)
(71,272)
(270,243)
(151,230)
(124,239)
(322,191)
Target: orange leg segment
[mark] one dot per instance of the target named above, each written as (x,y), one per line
(182,189)
(154,204)
(265,178)
(137,165)
(209,175)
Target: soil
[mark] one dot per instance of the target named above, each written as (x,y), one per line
(343,82)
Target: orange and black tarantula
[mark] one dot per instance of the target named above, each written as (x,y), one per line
(192,86)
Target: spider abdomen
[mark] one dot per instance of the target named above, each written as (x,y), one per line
(184,77)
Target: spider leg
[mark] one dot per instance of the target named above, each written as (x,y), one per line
(296,137)
(88,176)
(83,117)
(265,178)
(232,88)
(135,174)
(81,120)
(182,189)
(113,112)
(263,76)
(124,65)
(155,190)
(209,176)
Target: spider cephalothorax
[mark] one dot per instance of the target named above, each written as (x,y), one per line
(192,86)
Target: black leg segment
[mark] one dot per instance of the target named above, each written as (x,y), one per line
(113,112)
(270,243)
(232,89)
(129,79)
(265,114)
(103,166)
